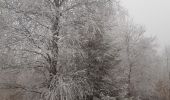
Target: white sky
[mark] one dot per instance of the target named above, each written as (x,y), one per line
(154,15)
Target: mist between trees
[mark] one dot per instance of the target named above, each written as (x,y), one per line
(77,50)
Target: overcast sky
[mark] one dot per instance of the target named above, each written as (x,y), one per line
(154,15)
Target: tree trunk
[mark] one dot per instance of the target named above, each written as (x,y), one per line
(55,34)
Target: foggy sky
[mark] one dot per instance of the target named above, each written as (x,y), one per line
(154,15)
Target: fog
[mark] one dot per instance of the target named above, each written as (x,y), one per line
(154,15)
(84,50)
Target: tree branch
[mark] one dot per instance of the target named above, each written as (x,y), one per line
(80,4)
(25,13)
(16,86)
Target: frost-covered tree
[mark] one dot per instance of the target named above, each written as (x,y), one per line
(64,41)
